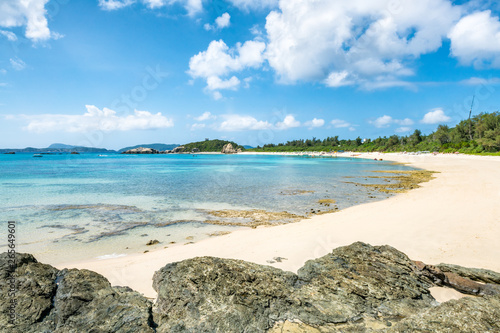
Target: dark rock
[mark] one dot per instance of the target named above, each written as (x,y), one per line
(36,287)
(221,295)
(347,288)
(476,274)
(457,280)
(357,288)
(73,300)
(468,314)
(153,242)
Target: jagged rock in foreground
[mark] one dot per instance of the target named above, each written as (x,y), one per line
(70,301)
(357,288)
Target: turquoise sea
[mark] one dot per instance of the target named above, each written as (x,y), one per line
(73,207)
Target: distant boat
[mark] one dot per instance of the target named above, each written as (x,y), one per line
(38,155)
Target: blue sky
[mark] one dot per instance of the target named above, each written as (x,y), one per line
(116,73)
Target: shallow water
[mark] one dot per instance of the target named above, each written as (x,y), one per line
(72,207)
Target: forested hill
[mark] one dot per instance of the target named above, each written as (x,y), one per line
(480,134)
(210,145)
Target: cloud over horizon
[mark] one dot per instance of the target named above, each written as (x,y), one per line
(95,119)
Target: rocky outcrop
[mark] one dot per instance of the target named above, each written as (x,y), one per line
(177,150)
(229,149)
(72,300)
(464,315)
(459,278)
(141,150)
(357,288)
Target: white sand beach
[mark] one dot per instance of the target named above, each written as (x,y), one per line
(454,218)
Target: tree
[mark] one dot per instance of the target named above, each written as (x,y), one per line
(442,134)
(416,137)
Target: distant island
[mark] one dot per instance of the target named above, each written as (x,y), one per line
(219,146)
(156,146)
(58,148)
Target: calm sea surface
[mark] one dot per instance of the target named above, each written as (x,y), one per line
(72,207)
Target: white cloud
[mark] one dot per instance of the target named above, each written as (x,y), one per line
(217,95)
(196,127)
(95,119)
(338,123)
(402,129)
(254,4)
(29,13)
(205,116)
(221,22)
(386,121)
(3,71)
(477,81)
(219,61)
(288,122)
(338,79)
(17,64)
(476,40)
(216,83)
(234,123)
(383,121)
(9,35)
(354,42)
(193,7)
(115,4)
(435,116)
(404,122)
(314,123)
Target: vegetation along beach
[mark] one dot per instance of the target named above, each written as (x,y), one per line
(300,166)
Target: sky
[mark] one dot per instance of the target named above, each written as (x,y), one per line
(115,73)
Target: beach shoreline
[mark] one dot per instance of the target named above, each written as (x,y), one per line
(453,219)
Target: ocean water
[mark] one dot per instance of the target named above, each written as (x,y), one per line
(74,207)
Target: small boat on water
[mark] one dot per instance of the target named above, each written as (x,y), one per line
(37,155)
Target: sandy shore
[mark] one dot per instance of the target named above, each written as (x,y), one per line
(454,218)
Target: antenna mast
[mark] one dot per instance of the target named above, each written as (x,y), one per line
(470,114)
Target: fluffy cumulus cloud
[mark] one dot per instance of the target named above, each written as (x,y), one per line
(29,13)
(96,119)
(436,116)
(205,116)
(354,42)
(314,123)
(233,123)
(221,22)
(192,6)
(386,121)
(476,40)
(219,61)
(288,122)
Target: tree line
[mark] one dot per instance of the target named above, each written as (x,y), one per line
(479,134)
